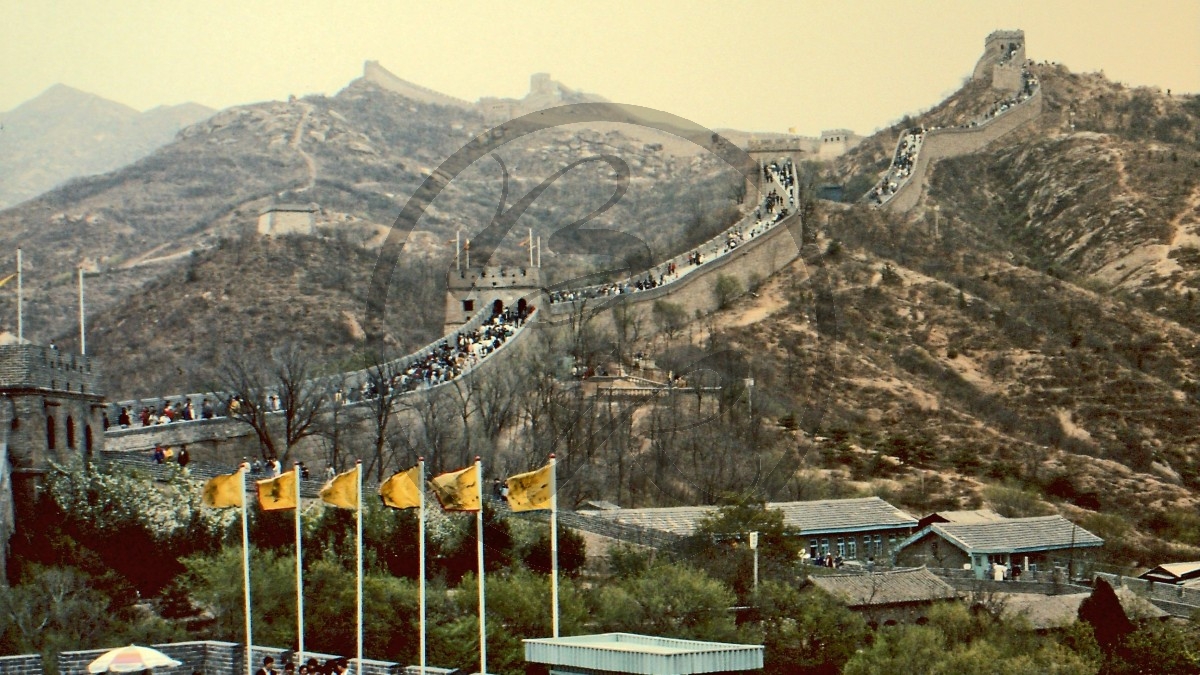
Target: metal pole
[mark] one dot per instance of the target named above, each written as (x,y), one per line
(756,571)
(358,522)
(82,337)
(457,250)
(530,242)
(421,554)
(246,571)
(479,561)
(554,544)
(299,575)
(20,301)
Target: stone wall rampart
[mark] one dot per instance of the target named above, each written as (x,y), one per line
(956,142)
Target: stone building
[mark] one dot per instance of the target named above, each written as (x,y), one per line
(1003,57)
(283,219)
(889,597)
(1030,543)
(471,289)
(51,410)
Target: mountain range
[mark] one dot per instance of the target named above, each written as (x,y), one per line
(65,133)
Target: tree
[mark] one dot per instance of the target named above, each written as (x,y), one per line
(671,317)
(669,600)
(302,398)
(804,632)
(726,289)
(1103,611)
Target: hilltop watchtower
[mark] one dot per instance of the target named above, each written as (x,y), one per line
(51,409)
(1003,57)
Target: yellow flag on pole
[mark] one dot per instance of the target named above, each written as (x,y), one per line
(530,491)
(277,494)
(457,490)
(401,491)
(342,490)
(7,279)
(222,492)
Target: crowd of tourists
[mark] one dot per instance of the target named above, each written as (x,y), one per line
(775,206)
(447,360)
(910,145)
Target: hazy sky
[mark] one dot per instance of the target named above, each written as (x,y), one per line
(763,66)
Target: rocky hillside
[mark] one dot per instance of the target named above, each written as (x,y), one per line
(65,133)
(357,155)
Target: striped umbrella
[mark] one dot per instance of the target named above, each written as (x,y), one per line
(130,659)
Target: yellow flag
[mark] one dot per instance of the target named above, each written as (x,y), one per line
(7,279)
(457,490)
(276,494)
(530,491)
(400,491)
(222,492)
(342,490)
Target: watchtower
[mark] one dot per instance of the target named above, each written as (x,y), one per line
(1003,57)
(470,289)
(51,409)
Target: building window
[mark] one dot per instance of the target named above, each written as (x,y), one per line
(812,548)
(852,553)
(891,543)
(841,547)
(824,547)
(879,545)
(87,439)
(468,305)
(51,441)
(70,432)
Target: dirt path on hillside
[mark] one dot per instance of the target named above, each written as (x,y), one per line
(297,144)
(768,300)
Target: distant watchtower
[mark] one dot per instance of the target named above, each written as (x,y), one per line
(50,410)
(1003,56)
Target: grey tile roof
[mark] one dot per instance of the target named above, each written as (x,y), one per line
(885,588)
(814,517)
(1014,535)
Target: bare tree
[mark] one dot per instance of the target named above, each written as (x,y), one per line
(382,398)
(289,379)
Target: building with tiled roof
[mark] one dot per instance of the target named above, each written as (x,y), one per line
(972,516)
(1174,573)
(863,528)
(893,596)
(1024,542)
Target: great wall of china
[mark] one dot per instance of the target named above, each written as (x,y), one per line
(45,411)
(751,262)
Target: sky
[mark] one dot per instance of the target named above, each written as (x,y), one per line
(754,65)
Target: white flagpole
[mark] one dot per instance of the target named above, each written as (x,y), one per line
(530,247)
(246,571)
(479,560)
(421,554)
(299,576)
(457,250)
(554,544)
(20,301)
(358,471)
(539,258)
(82,337)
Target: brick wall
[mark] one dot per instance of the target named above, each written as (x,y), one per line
(941,143)
(22,664)
(760,257)
(208,656)
(1176,600)
(37,367)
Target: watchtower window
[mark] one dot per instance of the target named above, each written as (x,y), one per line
(87,439)
(70,433)
(51,441)
(468,305)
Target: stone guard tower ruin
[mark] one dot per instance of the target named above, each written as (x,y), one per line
(51,409)
(1003,56)
(470,289)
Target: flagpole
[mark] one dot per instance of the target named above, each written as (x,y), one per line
(246,571)
(299,576)
(82,337)
(539,258)
(358,471)
(479,560)
(530,247)
(554,544)
(20,302)
(457,250)
(421,553)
